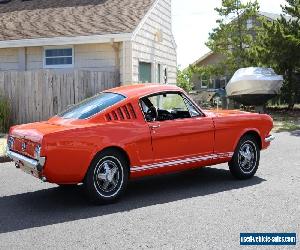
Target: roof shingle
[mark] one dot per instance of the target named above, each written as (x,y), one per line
(56,18)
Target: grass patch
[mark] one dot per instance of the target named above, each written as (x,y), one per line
(285,120)
(5,113)
(288,126)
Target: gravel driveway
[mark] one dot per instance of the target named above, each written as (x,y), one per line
(200,209)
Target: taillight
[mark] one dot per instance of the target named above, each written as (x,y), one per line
(10,142)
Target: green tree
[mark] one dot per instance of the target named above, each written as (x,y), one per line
(279,47)
(234,35)
(184,78)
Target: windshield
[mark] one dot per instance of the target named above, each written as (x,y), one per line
(92,106)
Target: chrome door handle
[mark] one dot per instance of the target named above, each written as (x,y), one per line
(154,126)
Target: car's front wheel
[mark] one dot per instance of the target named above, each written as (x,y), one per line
(245,160)
(107,177)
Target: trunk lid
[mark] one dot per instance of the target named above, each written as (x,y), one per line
(28,136)
(35,131)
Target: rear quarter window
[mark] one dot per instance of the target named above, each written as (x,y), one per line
(92,106)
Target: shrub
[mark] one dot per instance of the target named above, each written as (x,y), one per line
(5,111)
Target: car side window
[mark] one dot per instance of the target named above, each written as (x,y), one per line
(164,107)
(92,106)
(193,111)
(171,102)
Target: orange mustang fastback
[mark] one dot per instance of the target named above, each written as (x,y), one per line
(136,131)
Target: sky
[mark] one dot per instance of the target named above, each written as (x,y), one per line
(194,19)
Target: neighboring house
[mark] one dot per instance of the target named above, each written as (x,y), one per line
(131,37)
(212,58)
(200,82)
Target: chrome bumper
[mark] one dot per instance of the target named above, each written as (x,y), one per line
(270,138)
(27,164)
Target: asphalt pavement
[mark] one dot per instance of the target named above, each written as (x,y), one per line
(200,209)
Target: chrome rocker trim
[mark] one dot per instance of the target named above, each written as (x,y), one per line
(36,165)
(270,138)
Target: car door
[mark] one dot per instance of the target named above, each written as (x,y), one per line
(181,133)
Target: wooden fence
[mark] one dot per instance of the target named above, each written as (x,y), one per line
(38,95)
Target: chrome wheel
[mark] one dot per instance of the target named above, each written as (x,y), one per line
(247,157)
(108,176)
(245,160)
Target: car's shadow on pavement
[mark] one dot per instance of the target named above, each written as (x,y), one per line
(52,206)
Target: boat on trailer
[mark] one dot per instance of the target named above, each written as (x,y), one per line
(254,85)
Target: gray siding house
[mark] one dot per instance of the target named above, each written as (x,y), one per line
(131,37)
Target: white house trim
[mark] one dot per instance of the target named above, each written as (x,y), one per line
(57,41)
(203,57)
(173,41)
(145,18)
(138,28)
(124,62)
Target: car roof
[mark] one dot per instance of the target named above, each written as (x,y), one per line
(140,90)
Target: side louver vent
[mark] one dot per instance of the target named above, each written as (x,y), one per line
(125,112)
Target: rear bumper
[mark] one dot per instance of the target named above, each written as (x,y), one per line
(28,165)
(270,138)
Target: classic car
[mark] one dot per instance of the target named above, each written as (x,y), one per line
(134,131)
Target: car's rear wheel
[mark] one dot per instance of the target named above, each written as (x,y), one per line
(245,160)
(107,177)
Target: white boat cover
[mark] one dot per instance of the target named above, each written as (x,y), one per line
(254,80)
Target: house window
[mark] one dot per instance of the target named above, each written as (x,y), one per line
(223,83)
(204,82)
(158,73)
(212,84)
(217,83)
(58,57)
